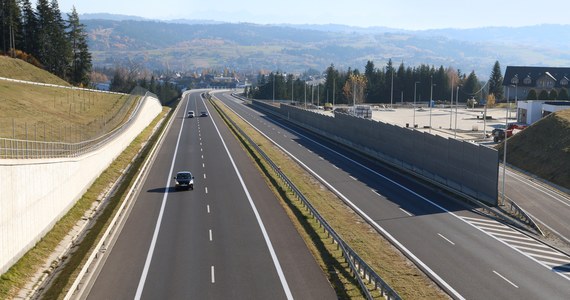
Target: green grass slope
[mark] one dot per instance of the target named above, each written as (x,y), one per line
(21,70)
(543,149)
(35,112)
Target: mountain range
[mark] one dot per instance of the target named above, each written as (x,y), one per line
(184,45)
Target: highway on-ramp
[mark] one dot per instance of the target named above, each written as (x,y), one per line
(229,238)
(470,255)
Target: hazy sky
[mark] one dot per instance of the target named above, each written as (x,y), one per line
(406,14)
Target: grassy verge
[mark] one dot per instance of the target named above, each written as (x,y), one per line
(18,275)
(402,275)
(33,112)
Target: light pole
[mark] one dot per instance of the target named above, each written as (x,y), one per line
(430,100)
(415,86)
(292,88)
(515,81)
(305,83)
(392,90)
(273,89)
(451,106)
(334,85)
(456,105)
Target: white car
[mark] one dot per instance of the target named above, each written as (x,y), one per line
(190,114)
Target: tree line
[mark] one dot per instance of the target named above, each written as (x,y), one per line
(42,37)
(381,85)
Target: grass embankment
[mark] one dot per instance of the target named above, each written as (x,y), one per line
(21,70)
(543,149)
(403,276)
(18,275)
(35,112)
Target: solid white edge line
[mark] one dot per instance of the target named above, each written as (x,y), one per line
(161,213)
(276,263)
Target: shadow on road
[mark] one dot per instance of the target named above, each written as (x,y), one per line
(163,190)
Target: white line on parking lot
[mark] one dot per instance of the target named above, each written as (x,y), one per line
(446,239)
(505,279)
(405,211)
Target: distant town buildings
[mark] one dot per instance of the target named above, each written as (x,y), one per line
(519,81)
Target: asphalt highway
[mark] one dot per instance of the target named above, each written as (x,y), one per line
(229,238)
(469,255)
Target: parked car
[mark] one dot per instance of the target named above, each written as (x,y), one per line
(203,114)
(499,134)
(190,114)
(184,180)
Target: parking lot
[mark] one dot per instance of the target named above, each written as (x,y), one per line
(459,122)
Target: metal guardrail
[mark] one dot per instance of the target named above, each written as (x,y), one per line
(29,149)
(361,270)
(520,214)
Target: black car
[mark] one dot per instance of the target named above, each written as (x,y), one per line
(203,114)
(184,180)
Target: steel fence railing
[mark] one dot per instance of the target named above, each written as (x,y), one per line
(361,270)
(29,149)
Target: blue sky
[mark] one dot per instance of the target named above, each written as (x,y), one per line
(405,14)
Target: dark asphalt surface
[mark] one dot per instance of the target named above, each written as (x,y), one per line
(210,244)
(473,255)
(549,207)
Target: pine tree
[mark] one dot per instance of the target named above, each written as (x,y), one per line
(471,85)
(30,29)
(81,58)
(11,25)
(61,49)
(496,82)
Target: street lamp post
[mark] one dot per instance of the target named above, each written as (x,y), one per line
(430,100)
(415,86)
(515,81)
(292,89)
(456,104)
(451,106)
(273,89)
(392,90)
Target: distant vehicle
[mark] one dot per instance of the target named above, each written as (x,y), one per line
(190,114)
(203,114)
(499,134)
(184,180)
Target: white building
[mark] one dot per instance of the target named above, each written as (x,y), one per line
(530,111)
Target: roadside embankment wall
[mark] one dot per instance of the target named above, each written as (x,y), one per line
(36,193)
(462,166)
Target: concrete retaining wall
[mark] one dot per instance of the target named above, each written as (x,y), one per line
(463,166)
(35,194)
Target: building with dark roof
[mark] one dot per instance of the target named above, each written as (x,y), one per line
(518,81)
